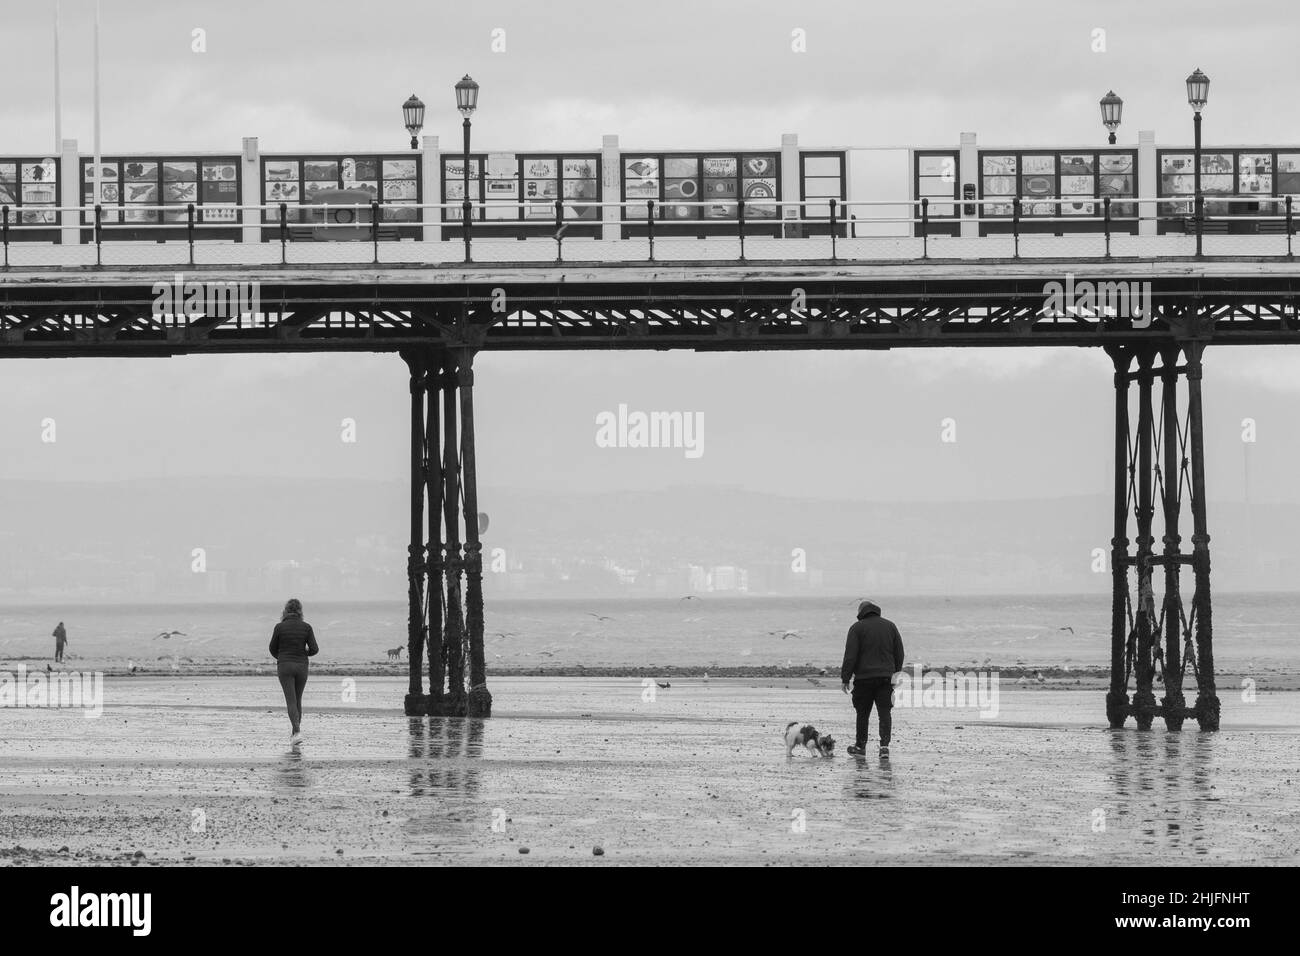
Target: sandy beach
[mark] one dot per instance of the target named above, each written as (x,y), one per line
(198,771)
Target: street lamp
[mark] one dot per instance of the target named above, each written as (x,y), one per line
(1111,109)
(466,102)
(413,114)
(1198,91)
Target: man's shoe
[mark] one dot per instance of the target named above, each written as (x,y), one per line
(858,750)
(884,750)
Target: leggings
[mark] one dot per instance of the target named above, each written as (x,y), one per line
(293,678)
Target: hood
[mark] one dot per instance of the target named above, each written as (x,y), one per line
(866,608)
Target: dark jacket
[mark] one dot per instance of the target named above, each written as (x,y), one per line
(874,647)
(60,635)
(293,640)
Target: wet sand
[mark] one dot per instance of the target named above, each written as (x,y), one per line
(698,775)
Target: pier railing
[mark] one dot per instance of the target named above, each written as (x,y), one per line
(815,230)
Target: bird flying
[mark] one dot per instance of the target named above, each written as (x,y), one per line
(168,635)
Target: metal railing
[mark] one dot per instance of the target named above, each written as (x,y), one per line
(650,230)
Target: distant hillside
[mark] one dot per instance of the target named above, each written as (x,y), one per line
(136,540)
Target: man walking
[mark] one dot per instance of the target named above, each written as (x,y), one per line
(60,639)
(873,654)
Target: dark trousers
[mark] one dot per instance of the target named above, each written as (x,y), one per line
(293,678)
(58,650)
(869,691)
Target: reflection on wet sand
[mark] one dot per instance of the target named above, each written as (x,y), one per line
(1162,786)
(291,772)
(441,745)
(873,779)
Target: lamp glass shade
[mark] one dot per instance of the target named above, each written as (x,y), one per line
(1112,107)
(413,114)
(1198,90)
(466,96)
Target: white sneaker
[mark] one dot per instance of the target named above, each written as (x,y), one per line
(295,738)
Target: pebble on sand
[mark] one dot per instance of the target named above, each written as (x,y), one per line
(523,849)
(597,851)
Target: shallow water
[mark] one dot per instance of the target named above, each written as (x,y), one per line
(1257,633)
(697,774)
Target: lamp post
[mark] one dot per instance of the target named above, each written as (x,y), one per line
(1112,107)
(466,102)
(413,114)
(1198,91)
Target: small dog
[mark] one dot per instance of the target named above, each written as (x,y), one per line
(807,736)
(395,653)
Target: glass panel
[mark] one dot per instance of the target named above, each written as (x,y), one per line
(580,169)
(1076,164)
(821,166)
(1115,162)
(720,166)
(1038,164)
(1216,183)
(935,186)
(279,171)
(1216,163)
(679,167)
(945,166)
(399,169)
(1180,184)
(999,165)
(678,189)
(757,167)
(1077,185)
(817,188)
(999,185)
(43,172)
(1176,163)
(1037,185)
(1116,185)
(9,172)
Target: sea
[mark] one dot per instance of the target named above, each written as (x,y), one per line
(1252,632)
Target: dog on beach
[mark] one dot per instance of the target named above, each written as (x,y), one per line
(806,735)
(394,653)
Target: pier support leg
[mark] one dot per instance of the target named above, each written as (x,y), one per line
(454,632)
(434,479)
(416,703)
(1174,703)
(479,701)
(1207,699)
(1144,700)
(1117,697)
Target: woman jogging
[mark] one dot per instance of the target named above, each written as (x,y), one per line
(292,642)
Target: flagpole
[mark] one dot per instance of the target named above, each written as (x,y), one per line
(98,164)
(58,94)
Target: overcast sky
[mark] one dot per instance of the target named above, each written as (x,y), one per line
(323,75)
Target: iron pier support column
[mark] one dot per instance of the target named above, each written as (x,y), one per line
(1207,700)
(434,479)
(454,634)
(1144,700)
(479,701)
(1117,702)
(416,703)
(1174,704)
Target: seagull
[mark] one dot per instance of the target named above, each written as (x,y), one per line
(664,685)
(786,633)
(504,634)
(168,635)
(545,653)
(1070,629)
(815,682)
(599,617)
(689,597)
(48,668)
